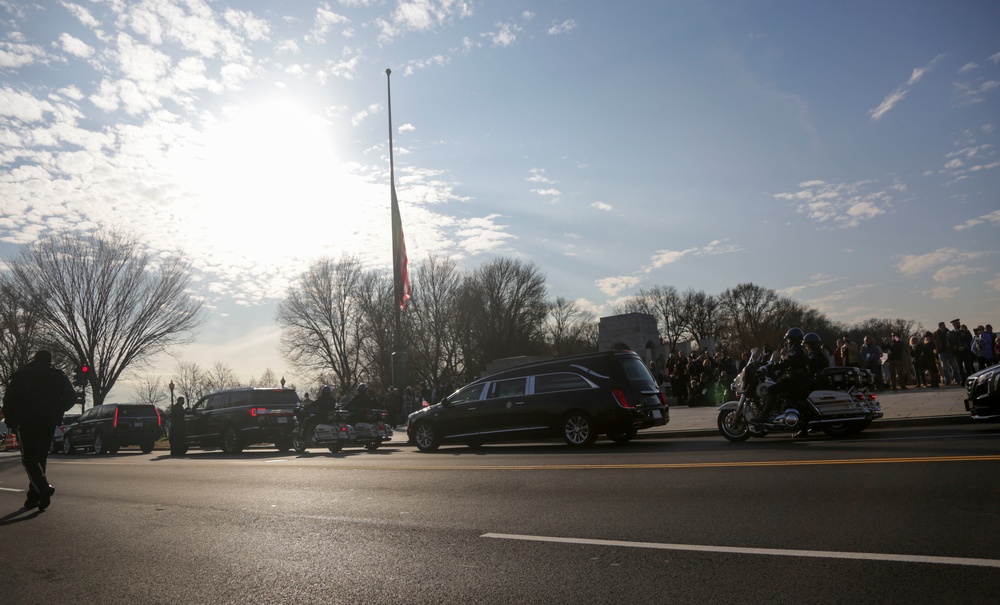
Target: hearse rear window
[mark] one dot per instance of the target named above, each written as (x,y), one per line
(638,374)
(550,383)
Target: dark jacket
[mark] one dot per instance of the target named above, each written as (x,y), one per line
(37,396)
(359,407)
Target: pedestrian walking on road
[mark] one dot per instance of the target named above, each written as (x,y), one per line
(36,398)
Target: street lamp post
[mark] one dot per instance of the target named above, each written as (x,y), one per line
(171,387)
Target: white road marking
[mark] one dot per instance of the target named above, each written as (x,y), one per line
(816,554)
(10,489)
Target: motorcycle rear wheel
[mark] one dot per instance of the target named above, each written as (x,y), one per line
(733,427)
(298,444)
(841,430)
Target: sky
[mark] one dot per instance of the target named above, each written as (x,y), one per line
(844,154)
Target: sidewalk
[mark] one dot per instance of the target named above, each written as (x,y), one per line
(911,407)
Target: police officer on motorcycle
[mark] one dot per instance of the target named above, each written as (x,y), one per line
(359,405)
(316,411)
(818,361)
(795,372)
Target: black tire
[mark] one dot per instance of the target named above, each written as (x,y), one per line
(298,443)
(733,427)
(67,447)
(285,444)
(113,448)
(232,441)
(371,446)
(578,430)
(335,449)
(99,446)
(147,447)
(840,430)
(55,448)
(425,437)
(623,437)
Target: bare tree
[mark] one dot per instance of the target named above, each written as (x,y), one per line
(190,381)
(699,314)
(431,320)
(106,302)
(267,379)
(150,390)
(567,328)
(320,321)
(505,307)
(220,377)
(747,311)
(375,301)
(663,303)
(20,330)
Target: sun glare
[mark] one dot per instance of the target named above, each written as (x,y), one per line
(265,165)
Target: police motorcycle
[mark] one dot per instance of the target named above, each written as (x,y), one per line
(331,432)
(838,408)
(372,433)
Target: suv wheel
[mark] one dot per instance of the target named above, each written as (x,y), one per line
(231,441)
(68,448)
(99,446)
(148,447)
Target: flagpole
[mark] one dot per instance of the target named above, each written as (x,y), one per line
(399,356)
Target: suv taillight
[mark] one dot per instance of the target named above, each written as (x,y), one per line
(159,419)
(116,418)
(258,412)
(621,399)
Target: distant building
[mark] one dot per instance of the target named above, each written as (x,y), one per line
(631,331)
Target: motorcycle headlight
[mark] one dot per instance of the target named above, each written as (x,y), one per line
(762,390)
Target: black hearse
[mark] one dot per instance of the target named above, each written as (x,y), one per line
(576,398)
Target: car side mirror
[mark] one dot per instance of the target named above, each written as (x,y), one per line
(445,402)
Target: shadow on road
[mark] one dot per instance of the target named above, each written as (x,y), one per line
(21,514)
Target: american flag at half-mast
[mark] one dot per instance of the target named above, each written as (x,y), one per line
(401,278)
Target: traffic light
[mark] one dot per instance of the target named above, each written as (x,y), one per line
(82,374)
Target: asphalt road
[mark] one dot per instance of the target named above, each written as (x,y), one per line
(904,515)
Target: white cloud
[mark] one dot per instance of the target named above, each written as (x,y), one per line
(992,217)
(914,264)
(505,35)
(75,46)
(613,285)
(843,204)
(15,55)
(538,176)
(562,27)
(667,257)
(896,96)
(944,293)
(602,206)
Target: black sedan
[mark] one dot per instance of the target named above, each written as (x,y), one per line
(983,389)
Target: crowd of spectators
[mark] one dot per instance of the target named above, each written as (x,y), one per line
(944,356)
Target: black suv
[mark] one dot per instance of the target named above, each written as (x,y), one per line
(237,418)
(109,427)
(575,398)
